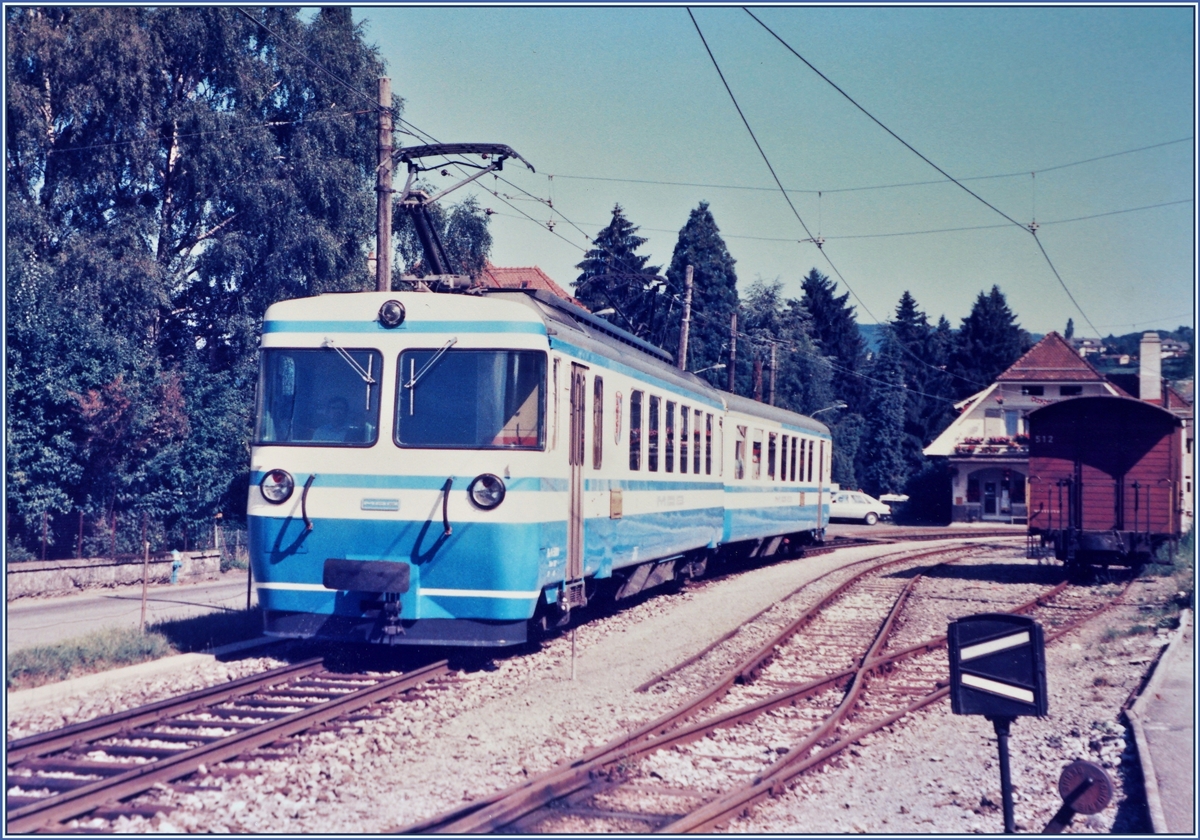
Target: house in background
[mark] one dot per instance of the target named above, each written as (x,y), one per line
(527,277)
(987,445)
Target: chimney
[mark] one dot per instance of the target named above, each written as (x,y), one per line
(1150,368)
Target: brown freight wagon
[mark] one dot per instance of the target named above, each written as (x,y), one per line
(1104,480)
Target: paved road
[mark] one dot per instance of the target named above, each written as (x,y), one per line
(35,621)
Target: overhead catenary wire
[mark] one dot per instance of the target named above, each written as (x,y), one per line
(869,187)
(1032,229)
(815,240)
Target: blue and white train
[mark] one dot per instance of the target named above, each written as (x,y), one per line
(456,468)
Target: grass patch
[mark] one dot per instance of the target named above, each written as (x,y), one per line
(89,654)
(108,649)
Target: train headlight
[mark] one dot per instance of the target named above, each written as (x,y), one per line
(277,486)
(391,314)
(486,491)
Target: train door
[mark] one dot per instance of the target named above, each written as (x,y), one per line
(573,584)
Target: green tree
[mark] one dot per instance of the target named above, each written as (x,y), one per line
(714,291)
(835,331)
(988,342)
(613,276)
(802,374)
(883,462)
(463,229)
(171,172)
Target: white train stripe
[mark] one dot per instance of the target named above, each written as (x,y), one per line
(295,587)
(478,593)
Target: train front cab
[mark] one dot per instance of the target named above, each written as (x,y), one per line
(402,490)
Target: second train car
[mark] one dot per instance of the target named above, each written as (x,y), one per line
(453,468)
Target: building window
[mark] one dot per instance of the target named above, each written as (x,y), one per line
(1033,390)
(973,491)
(1070,390)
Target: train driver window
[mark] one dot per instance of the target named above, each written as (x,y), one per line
(320,397)
(771,445)
(670,453)
(597,422)
(635,430)
(685,414)
(652,442)
(756,454)
(696,442)
(471,399)
(739,453)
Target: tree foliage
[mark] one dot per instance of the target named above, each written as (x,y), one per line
(714,291)
(835,332)
(614,276)
(988,342)
(171,172)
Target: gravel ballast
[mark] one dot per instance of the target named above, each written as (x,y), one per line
(523,714)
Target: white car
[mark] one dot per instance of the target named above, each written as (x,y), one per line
(851,504)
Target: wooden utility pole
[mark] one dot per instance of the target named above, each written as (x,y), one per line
(732,353)
(771,399)
(383,190)
(687,319)
(758,366)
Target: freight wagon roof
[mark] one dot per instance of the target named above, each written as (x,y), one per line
(1084,407)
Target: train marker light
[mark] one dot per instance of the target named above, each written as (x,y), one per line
(277,486)
(391,314)
(486,491)
(998,669)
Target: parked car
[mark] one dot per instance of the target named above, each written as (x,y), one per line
(852,504)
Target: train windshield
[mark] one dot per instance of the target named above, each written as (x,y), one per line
(471,399)
(326,396)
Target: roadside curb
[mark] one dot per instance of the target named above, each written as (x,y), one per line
(1137,721)
(21,701)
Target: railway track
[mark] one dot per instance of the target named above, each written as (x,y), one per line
(91,767)
(797,700)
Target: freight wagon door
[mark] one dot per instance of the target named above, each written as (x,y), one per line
(574,578)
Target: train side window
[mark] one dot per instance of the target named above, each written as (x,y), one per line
(783,455)
(795,444)
(803,454)
(652,443)
(670,453)
(696,441)
(719,445)
(635,430)
(756,454)
(597,422)
(771,447)
(554,422)
(685,415)
(822,474)
(708,444)
(739,453)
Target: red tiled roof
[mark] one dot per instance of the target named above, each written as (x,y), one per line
(528,277)
(1051,360)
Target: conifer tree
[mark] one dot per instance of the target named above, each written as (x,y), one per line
(714,291)
(835,331)
(883,463)
(613,276)
(988,342)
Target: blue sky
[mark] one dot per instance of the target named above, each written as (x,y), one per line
(630,95)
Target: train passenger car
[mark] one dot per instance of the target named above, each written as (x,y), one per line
(1104,480)
(448,469)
